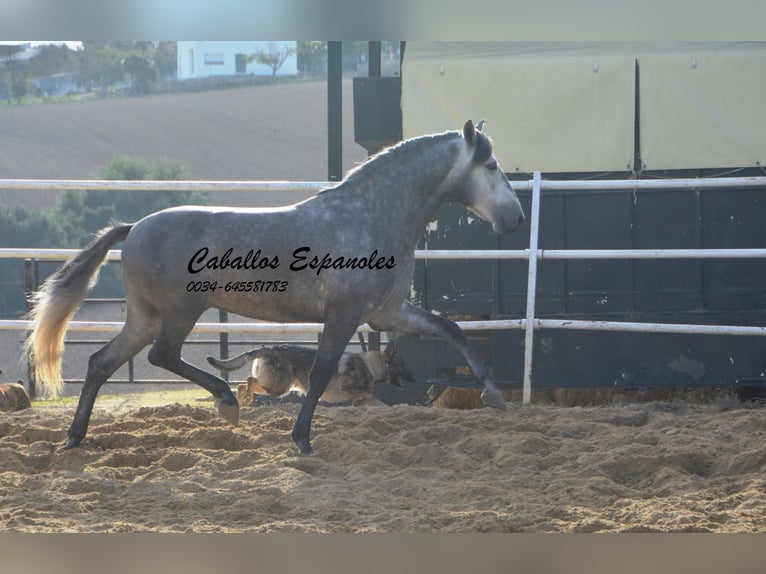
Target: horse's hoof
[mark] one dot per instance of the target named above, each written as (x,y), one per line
(304,447)
(229,413)
(493,399)
(70,444)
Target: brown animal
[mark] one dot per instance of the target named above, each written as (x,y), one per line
(14,397)
(280,369)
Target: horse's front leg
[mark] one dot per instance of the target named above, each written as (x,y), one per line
(412,319)
(335,336)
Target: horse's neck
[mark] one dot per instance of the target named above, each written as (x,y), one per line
(404,198)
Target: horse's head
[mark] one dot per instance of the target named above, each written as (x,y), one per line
(483,188)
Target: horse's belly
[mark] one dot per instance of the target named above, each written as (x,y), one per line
(299,298)
(270,307)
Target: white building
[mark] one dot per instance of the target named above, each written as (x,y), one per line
(204,59)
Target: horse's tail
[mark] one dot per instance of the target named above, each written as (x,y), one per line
(58,300)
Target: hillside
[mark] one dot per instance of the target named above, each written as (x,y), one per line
(266,132)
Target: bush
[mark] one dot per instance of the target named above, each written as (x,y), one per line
(22,228)
(89,211)
(77,216)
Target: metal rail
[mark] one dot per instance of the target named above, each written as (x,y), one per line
(536,185)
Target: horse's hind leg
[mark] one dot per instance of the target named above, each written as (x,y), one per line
(166,353)
(133,337)
(412,319)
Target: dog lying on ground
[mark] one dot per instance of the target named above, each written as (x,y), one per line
(280,369)
(14,397)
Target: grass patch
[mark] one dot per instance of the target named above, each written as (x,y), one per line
(133,400)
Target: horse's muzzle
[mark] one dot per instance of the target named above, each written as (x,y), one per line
(509,224)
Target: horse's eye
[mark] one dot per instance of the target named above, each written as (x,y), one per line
(492,166)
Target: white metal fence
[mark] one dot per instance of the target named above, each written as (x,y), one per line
(536,185)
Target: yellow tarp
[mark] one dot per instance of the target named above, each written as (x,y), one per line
(570,107)
(703,106)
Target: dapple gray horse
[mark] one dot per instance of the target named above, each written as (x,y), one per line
(342,257)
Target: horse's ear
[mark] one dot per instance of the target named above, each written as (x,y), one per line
(469,132)
(480,125)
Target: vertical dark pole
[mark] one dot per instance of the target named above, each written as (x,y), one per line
(35,287)
(638,168)
(702,281)
(334,111)
(373,59)
(12,75)
(637,161)
(494,279)
(28,290)
(334,115)
(223,341)
(373,71)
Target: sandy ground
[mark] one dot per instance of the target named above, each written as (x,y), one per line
(659,466)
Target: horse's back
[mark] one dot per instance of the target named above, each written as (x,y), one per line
(166,236)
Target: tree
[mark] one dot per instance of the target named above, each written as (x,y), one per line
(19,87)
(23,228)
(86,212)
(52,59)
(91,210)
(100,64)
(165,60)
(312,58)
(77,216)
(106,63)
(273,59)
(144,76)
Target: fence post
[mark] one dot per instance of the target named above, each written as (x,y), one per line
(529,335)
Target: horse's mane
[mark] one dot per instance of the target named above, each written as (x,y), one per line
(385,157)
(384,161)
